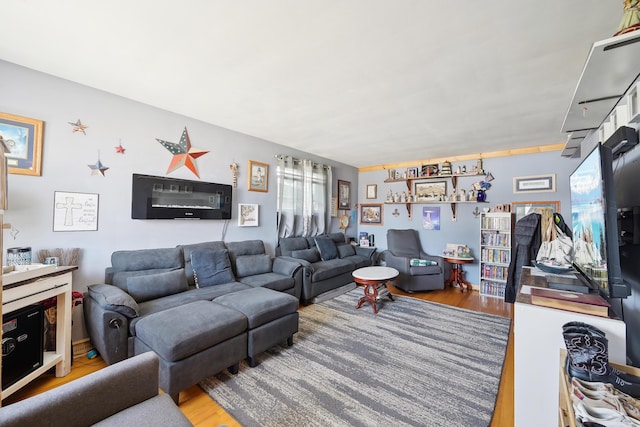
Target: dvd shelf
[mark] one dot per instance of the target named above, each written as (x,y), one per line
(496,242)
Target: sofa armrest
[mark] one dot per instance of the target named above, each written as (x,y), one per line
(400,263)
(365,252)
(108,330)
(92,398)
(286,267)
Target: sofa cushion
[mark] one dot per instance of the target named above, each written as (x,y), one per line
(274,281)
(147,259)
(311,254)
(327,248)
(152,286)
(289,244)
(327,269)
(186,253)
(346,250)
(425,270)
(113,298)
(211,267)
(249,265)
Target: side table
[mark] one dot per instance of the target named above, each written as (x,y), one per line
(456,278)
(374,279)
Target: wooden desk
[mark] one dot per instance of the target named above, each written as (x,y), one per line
(456,278)
(20,294)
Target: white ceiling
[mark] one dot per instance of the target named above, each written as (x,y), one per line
(362,82)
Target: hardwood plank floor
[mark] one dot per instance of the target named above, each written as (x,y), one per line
(202,411)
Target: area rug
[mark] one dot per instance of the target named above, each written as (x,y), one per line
(414,363)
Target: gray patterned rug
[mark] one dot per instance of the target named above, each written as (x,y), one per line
(414,363)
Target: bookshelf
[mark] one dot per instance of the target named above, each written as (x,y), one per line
(496,245)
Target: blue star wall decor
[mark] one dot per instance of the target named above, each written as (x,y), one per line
(183,153)
(98,168)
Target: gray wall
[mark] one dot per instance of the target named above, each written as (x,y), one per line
(112,120)
(466,229)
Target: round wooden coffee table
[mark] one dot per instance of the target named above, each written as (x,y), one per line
(456,278)
(374,279)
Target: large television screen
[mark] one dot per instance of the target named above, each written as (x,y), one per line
(596,255)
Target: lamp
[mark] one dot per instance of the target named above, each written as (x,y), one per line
(489,177)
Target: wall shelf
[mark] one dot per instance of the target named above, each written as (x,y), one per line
(452,203)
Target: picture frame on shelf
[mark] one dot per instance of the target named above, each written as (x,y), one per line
(258,176)
(248,215)
(372,191)
(23,137)
(429,170)
(344,194)
(413,172)
(534,183)
(522,209)
(430,191)
(371,214)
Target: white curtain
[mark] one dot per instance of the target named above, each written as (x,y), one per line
(304,194)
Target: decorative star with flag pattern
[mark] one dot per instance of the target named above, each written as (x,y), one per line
(78,127)
(98,168)
(183,153)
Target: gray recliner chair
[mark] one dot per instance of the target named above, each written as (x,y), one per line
(402,247)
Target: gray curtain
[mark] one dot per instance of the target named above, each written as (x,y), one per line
(304,194)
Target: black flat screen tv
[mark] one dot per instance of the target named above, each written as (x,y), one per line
(596,255)
(156,197)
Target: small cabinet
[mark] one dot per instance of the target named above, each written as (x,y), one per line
(496,245)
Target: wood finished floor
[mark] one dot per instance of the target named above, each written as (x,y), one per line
(202,411)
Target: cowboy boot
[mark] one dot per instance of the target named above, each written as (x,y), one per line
(603,358)
(587,361)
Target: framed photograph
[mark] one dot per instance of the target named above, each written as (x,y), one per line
(371,214)
(430,190)
(247,215)
(258,176)
(344,194)
(23,138)
(372,191)
(413,172)
(522,209)
(75,211)
(431,217)
(534,184)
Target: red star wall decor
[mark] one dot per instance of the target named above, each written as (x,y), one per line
(120,149)
(183,153)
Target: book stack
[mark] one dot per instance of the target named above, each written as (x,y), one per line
(571,301)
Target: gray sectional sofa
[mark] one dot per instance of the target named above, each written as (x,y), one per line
(327,261)
(113,309)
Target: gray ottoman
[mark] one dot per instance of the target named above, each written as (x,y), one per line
(193,341)
(272,316)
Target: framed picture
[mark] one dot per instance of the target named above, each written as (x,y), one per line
(372,191)
(413,172)
(23,138)
(248,215)
(344,194)
(431,217)
(522,209)
(258,176)
(75,211)
(430,190)
(534,184)
(371,214)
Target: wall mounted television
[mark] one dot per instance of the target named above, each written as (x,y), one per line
(156,197)
(596,256)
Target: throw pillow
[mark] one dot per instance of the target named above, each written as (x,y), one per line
(113,298)
(310,255)
(152,286)
(250,265)
(327,248)
(211,267)
(346,250)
